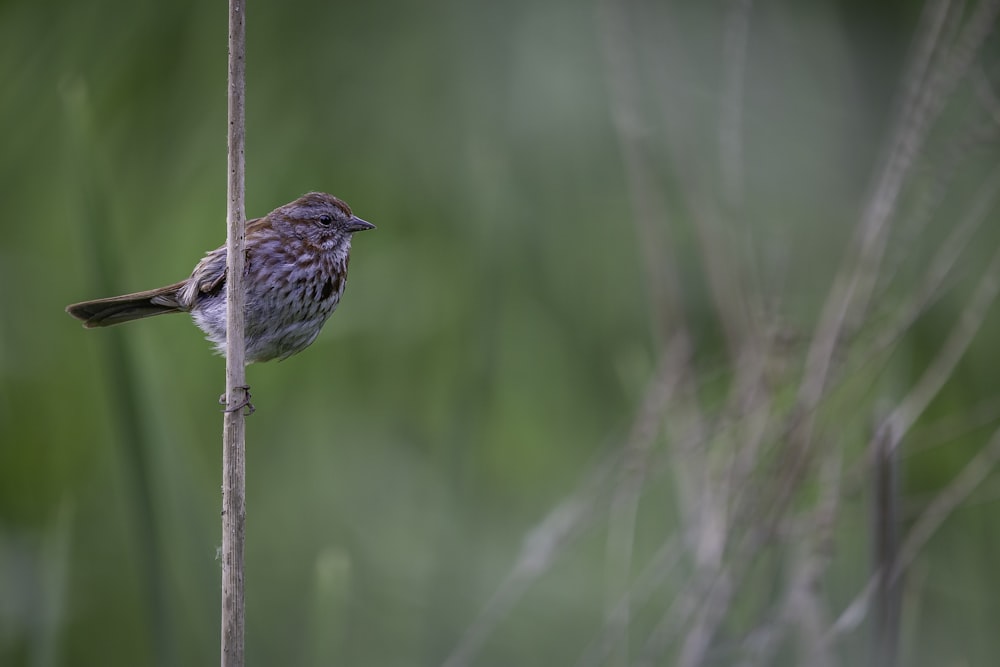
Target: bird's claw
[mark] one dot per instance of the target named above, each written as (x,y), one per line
(245,403)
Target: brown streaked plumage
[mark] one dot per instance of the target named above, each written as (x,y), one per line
(296,269)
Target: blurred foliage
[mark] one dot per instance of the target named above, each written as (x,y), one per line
(496,339)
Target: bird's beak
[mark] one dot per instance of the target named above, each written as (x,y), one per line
(356,224)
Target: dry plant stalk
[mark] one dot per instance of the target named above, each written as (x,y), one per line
(759,478)
(234,425)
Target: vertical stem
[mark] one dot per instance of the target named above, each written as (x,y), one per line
(233,434)
(885,523)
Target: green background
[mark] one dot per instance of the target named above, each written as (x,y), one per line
(496,338)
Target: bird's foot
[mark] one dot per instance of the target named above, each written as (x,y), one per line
(245,403)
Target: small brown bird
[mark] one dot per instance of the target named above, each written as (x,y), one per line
(296,271)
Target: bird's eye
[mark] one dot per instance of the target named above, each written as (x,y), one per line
(325,220)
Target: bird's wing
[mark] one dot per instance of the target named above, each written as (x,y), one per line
(210,274)
(211,271)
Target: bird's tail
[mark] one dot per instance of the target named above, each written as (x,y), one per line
(128,307)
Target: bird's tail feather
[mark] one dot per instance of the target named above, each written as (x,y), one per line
(128,307)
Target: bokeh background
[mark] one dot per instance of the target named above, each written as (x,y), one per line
(524,438)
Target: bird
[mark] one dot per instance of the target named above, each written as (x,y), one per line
(295,274)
